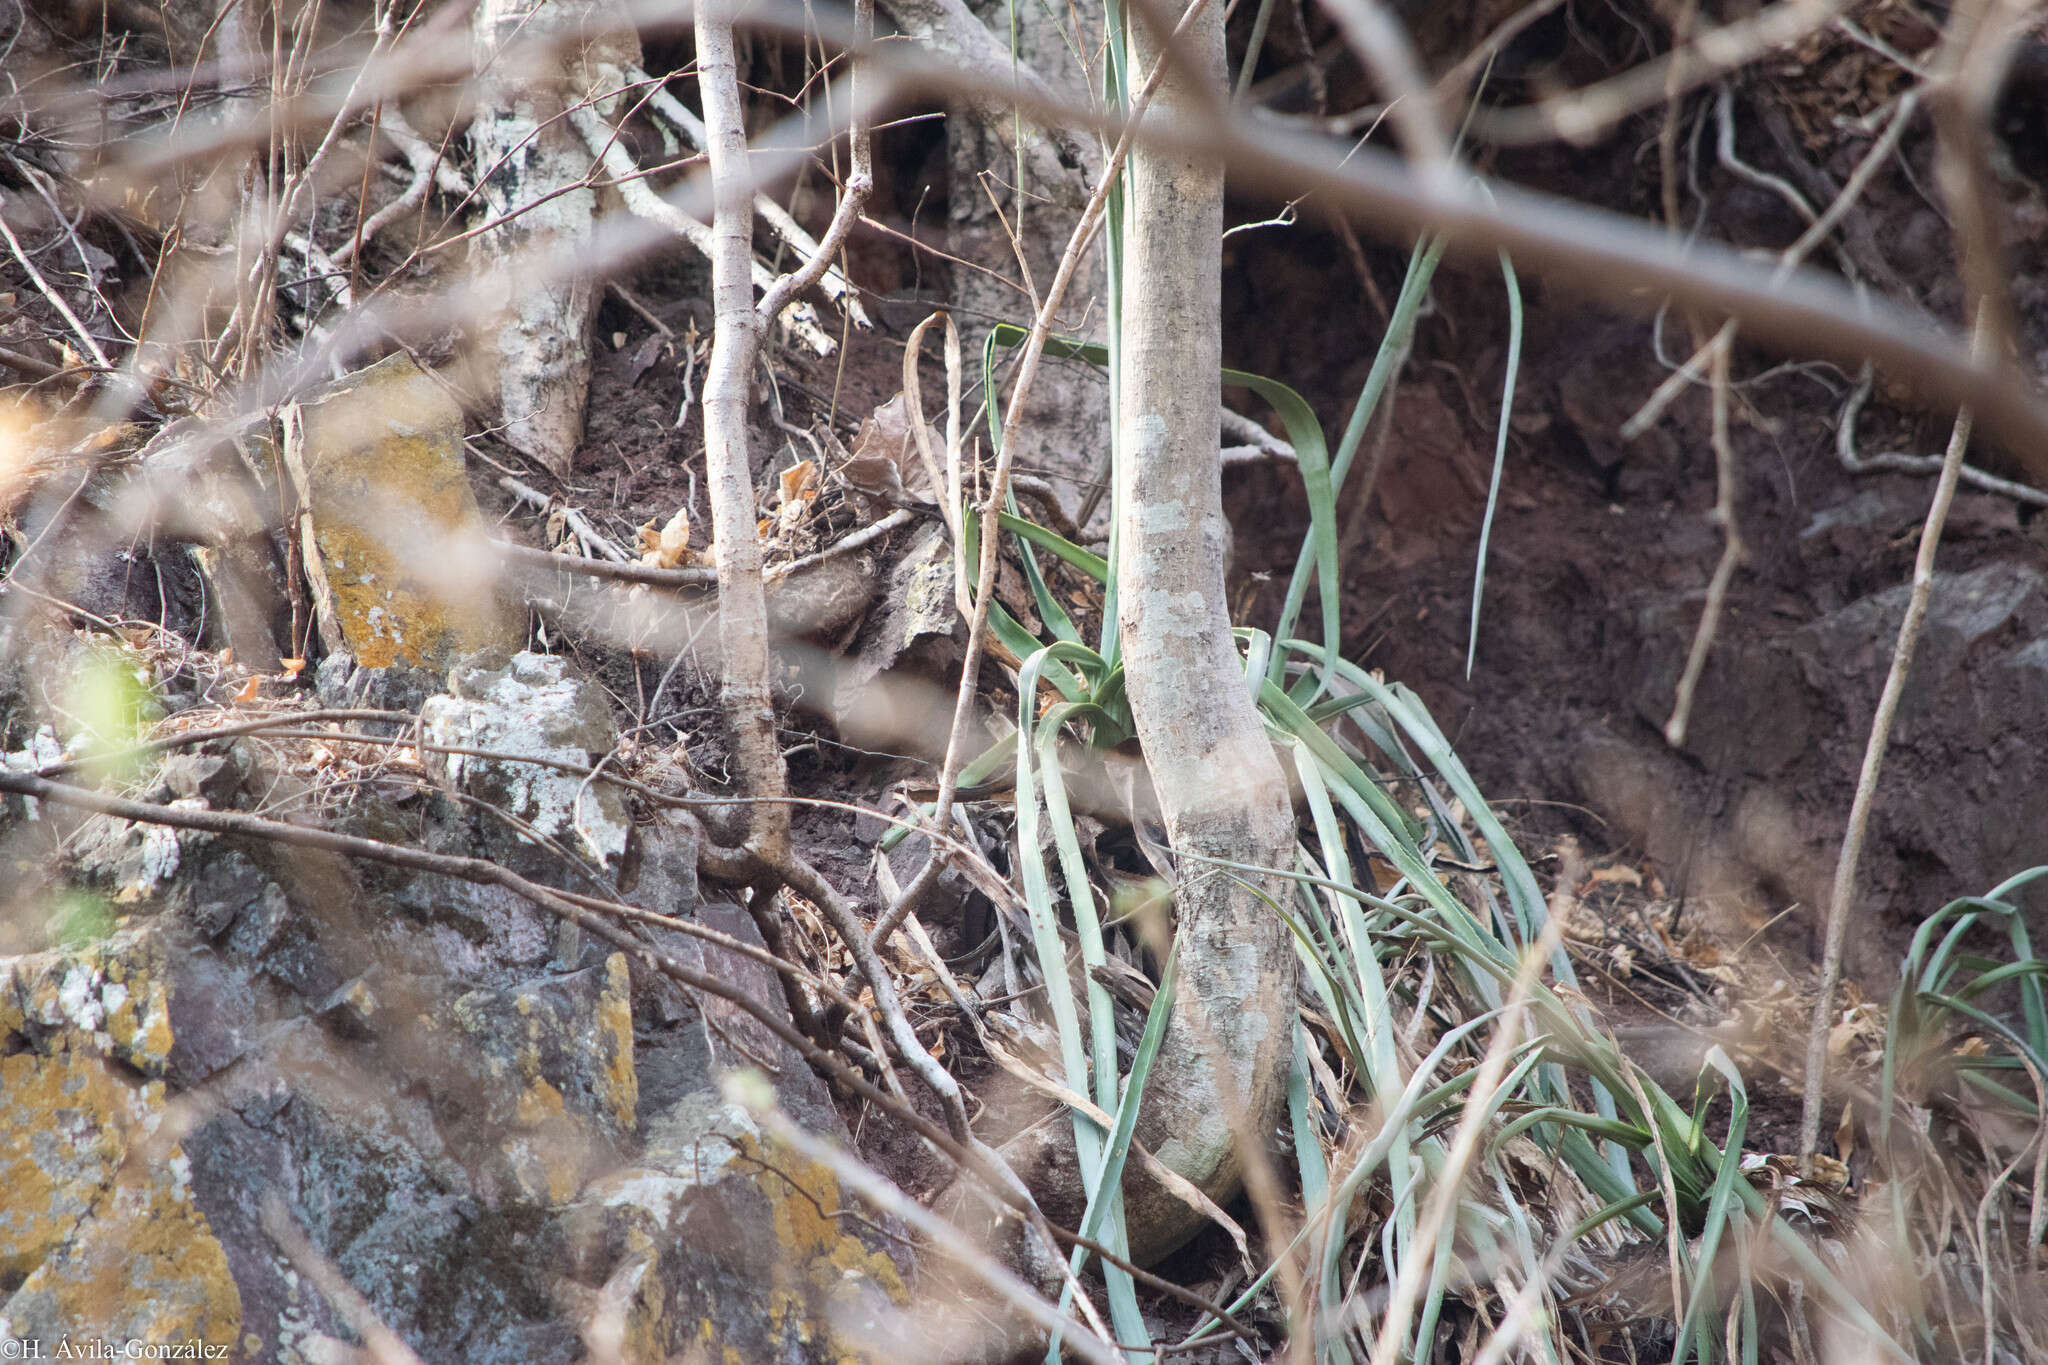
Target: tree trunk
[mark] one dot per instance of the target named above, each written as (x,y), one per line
(1223,1069)
(1221,1074)
(534,59)
(736,344)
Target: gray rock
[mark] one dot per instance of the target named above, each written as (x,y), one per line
(497,1154)
(535,707)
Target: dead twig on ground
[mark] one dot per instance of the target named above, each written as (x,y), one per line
(1899,462)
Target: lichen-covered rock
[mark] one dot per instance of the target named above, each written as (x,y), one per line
(551,1064)
(99,1230)
(720,1240)
(535,706)
(514,1161)
(377,457)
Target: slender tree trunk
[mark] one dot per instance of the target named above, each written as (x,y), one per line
(742,601)
(1223,1069)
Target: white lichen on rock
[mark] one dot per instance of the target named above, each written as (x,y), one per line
(535,707)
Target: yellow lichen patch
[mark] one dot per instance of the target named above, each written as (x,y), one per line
(618,1081)
(548,1164)
(144,1267)
(830,1268)
(138,1012)
(539,1102)
(96,1217)
(638,1302)
(66,1126)
(379,463)
(111,993)
(806,1231)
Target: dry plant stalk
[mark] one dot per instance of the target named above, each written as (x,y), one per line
(1723,515)
(1975,47)
(1842,897)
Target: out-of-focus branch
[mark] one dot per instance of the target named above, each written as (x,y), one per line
(380,1343)
(1969,68)
(1634,265)
(1381,45)
(1581,115)
(858,1176)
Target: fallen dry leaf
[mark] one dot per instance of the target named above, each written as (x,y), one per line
(799,482)
(668,548)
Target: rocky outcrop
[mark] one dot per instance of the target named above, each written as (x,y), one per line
(513,1145)
(1965,794)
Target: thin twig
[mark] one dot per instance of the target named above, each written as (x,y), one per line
(1898,462)
(833,282)
(591,537)
(853,195)
(606,569)
(28,265)
(1381,45)
(1731,545)
(853,540)
(1790,260)
(973,1157)
(604,143)
(1842,898)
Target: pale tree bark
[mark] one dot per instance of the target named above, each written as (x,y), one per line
(742,599)
(1217,1087)
(1221,1075)
(531,163)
